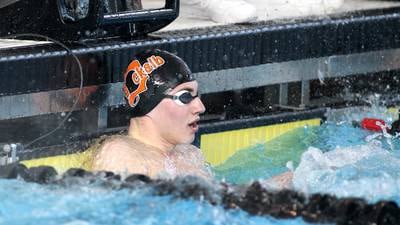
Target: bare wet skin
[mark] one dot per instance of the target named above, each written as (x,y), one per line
(125,155)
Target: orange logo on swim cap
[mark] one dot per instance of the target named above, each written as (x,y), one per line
(139,76)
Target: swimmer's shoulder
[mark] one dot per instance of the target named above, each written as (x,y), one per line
(120,143)
(188,150)
(118,154)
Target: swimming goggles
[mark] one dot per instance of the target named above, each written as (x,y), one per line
(182,97)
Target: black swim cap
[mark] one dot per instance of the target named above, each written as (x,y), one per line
(149,76)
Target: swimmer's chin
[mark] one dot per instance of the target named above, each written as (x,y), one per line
(191,140)
(188,140)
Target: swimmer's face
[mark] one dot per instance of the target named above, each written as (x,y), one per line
(177,122)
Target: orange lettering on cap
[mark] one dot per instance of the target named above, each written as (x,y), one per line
(139,77)
(147,67)
(158,60)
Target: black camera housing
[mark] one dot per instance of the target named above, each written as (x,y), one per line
(73,20)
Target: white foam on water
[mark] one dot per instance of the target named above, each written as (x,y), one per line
(366,171)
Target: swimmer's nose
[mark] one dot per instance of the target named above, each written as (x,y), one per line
(198,106)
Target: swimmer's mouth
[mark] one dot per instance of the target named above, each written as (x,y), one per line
(194,126)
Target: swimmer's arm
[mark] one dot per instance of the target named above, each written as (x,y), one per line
(118,158)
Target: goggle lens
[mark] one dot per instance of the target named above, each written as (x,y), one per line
(186,97)
(182,97)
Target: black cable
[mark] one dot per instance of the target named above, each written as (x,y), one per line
(80,86)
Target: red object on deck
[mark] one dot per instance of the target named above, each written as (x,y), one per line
(373,124)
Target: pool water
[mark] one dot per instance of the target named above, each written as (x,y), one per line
(266,160)
(335,158)
(82,203)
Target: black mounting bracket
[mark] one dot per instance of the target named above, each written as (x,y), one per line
(73,20)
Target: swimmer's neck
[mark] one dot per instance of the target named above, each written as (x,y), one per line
(144,130)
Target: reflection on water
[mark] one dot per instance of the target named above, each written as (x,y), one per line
(266,160)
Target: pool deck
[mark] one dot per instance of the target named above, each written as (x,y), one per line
(268,10)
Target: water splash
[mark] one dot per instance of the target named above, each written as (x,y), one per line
(366,171)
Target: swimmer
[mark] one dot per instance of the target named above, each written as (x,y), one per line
(284,181)
(372,124)
(165,108)
(378,125)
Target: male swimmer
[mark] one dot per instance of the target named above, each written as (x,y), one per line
(162,97)
(165,108)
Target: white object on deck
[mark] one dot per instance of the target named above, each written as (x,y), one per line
(220,11)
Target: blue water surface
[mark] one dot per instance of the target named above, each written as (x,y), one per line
(80,204)
(335,158)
